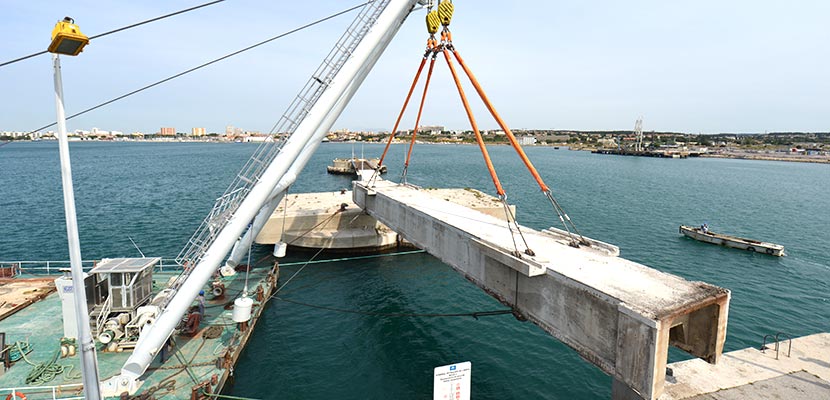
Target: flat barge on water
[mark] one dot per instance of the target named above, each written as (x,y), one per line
(732,241)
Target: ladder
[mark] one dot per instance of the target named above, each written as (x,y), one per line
(227,204)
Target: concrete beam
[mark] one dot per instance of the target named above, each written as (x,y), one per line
(619,315)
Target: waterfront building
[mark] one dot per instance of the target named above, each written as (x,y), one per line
(527,140)
(432,130)
(167,132)
(197,132)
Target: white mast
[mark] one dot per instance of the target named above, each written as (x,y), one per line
(89,363)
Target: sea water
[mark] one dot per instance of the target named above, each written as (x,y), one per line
(158,193)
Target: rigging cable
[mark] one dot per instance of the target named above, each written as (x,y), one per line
(475,314)
(207,64)
(499,189)
(119,29)
(400,116)
(518,148)
(418,119)
(479,139)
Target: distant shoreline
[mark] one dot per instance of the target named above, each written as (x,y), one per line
(735,156)
(763,157)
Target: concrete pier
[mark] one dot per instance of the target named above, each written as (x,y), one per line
(320,220)
(619,315)
(803,374)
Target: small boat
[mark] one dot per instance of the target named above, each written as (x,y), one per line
(707,236)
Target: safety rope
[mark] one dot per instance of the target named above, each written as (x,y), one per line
(18,350)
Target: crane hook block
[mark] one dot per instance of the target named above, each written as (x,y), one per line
(445,11)
(433,22)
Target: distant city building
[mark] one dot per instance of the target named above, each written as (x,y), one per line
(231,130)
(197,132)
(167,132)
(433,130)
(527,140)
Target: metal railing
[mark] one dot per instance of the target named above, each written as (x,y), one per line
(38,392)
(34,267)
(227,204)
(778,343)
(102,316)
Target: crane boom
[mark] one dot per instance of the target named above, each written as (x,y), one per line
(378,27)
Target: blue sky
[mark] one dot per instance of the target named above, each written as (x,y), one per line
(704,66)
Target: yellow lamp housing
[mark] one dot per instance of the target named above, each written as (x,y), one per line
(67,38)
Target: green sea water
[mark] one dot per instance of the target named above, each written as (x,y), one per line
(158,193)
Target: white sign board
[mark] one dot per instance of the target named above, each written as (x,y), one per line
(452,382)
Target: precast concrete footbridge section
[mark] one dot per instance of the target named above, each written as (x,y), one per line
(619,315)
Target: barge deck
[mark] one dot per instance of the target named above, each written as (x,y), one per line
(194,367)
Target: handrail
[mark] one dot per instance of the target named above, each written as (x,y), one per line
(102,317)
(50,267)
(55,391)
(764,345)
(789,339)
(778,343)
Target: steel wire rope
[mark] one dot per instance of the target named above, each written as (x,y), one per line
(318,282)
(474,314)
(229,55)
(310,260)
(399,253)
(330,217)
(299,270)
(119,30)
